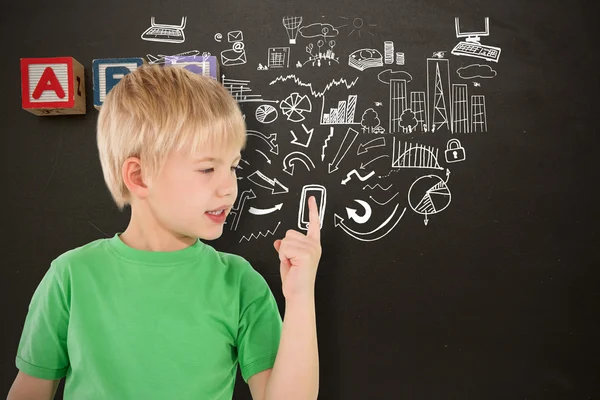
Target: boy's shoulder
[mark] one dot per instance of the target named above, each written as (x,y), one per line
(81,253)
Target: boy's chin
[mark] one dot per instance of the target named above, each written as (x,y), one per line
(213,235)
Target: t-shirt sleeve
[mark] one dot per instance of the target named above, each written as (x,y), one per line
(259,327)
(42,350)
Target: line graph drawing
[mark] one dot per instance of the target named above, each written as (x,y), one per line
(259,234)
(429,195)
(315,93)
(414,156)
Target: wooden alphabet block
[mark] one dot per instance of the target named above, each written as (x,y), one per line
(108,72)
(52,86)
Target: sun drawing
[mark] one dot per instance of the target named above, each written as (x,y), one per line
(357,25)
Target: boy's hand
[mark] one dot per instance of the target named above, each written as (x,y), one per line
(299,256)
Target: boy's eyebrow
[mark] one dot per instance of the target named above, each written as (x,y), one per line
(215,159)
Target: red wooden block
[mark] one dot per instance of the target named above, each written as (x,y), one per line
(52,86)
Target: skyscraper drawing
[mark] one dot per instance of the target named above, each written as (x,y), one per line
(460,109)
(418,106)
(397,103)
(438,94)
(479,119)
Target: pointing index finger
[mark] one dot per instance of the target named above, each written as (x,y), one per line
(314,224)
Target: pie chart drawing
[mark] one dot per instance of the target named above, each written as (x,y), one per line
(429,195)
(294,107)
(266,114)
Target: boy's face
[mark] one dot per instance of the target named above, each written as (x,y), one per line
(190,186)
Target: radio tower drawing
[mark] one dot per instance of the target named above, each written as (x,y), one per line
(440,118)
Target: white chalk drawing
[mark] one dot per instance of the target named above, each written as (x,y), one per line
(292,26)
(266,114)
(371,144)
(218,37)
(476,84)
(438,95)
(460,109)
(362,59)
(265,211)
(358,25)
(343,114)
(370,121)
(262,67)
(260,179)
(259,234)
(438,54)
(349,139)
(288,166)
(320,194)
(377,185)
(363,165)
(269,140)
(278,57)
(418,106)
(238,209)
(325,143)
(240,91)
(267,159)
(388,52)
(353,214)
(414,155)
(454,151)
(315,93)
(325,33)
(384,202)
(381,231)
(355,173)
(408,121)
(400,58)
(305,137)
(471,47)
(295,106)
(429,195)
(160,58)
(237,54)
(398,103)
(476,71)
(165,33)
(478,115)
(378,103)
(387,74)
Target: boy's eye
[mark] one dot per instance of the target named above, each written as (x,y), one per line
(234,168)
(207,171)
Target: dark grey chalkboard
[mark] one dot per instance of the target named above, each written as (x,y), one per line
(441,278)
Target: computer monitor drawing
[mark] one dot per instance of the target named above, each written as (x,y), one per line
(471,36)
(165,33)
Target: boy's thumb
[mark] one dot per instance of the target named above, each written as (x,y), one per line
(277,244)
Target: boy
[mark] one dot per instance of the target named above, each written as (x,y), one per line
(153,312)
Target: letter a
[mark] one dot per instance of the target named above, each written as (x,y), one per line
(48,81)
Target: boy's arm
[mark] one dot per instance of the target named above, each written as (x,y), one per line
(295,374)
(26,387)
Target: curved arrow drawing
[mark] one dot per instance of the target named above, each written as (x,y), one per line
(369,236)
(295,155)
(362,166)
(357,218)
(353,172)
(246,195)
(270,140)
(264,155)
(265,211)
(363,148)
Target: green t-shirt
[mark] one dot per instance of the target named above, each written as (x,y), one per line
(123,323)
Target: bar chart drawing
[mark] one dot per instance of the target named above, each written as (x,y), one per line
(414,155)
(342,114)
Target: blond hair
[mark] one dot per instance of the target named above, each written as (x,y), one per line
(155,110)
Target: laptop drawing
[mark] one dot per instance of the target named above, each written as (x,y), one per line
(165,33)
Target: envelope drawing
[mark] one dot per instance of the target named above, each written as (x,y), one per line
(233,57)
(235,36)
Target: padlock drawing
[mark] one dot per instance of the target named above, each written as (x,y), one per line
(454,151)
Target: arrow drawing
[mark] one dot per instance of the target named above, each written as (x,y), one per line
(295,155)
(264,155)
(308,134)
(362,166)
(375,233)
(265,211)
(346,144)
(246,195)
(270,140)
(325,144)
(352,214)
(363,148)
(353,172)
(260,179)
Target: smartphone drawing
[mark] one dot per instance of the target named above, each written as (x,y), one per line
(320,194)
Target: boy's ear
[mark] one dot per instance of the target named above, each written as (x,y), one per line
(133,178)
